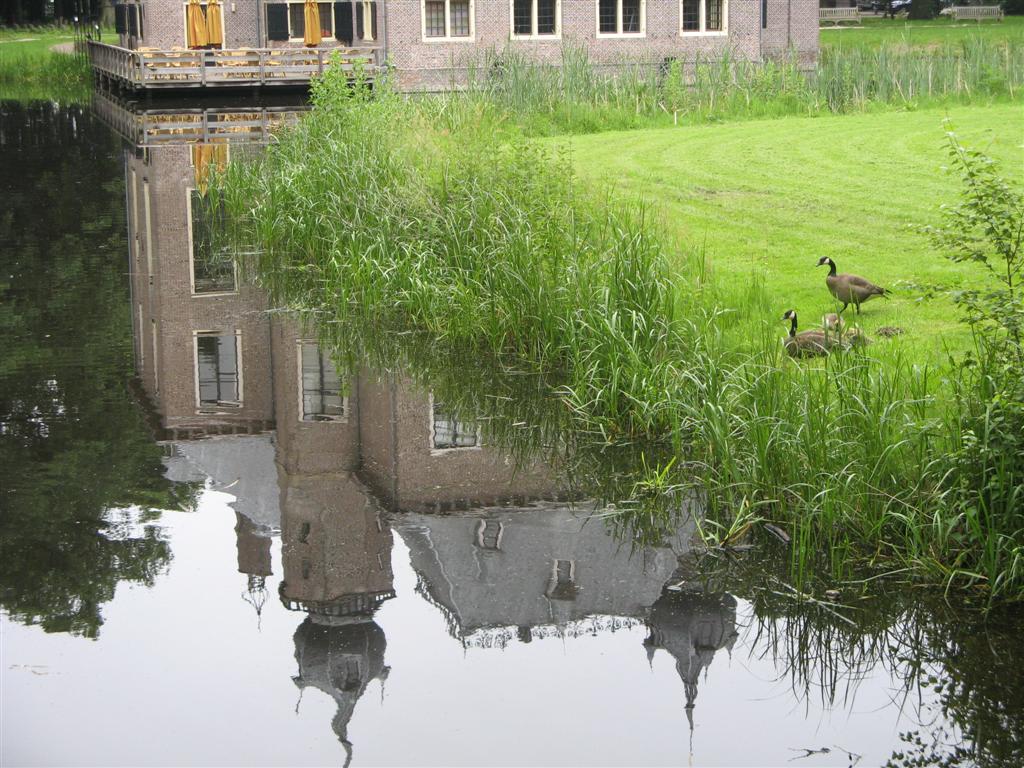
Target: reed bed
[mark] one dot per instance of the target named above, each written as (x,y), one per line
(578,96)
(413,230)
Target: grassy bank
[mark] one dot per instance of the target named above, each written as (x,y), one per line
(31,70)
(876,32)
(768,198)
(435,224)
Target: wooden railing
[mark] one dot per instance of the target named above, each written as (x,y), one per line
(145,68)
(144,127)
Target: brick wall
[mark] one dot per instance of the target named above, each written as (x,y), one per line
(422,65)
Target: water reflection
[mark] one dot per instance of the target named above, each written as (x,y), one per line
(497,568)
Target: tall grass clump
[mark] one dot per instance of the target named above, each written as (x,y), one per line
(578,95)
(432,218)
(421,233)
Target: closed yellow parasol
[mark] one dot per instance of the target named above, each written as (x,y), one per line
(312,16)
(215,23)
(196,25)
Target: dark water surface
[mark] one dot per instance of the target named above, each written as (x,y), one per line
(216,551)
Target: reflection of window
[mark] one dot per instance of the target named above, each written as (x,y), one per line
(702,16)
(536,18)
(321,388)
(620,17)
(345,675)
(445,19)
(562,585)
(213,268)
(217,369)
(450,432)
(488,534)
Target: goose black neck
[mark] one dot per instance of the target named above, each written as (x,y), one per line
(792,325)
(831,268)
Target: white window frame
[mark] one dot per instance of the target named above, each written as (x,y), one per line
(192,254)
(225,11)
(300,38)
(703,31)
(215,409)
(343,418)
(435,451)
(618,21)
(448,24)
(534,35)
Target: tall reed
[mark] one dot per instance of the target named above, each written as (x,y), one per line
(419,229)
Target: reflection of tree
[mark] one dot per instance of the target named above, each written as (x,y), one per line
(72,442)
(954,670)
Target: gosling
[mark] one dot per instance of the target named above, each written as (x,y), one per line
(849,289)
(812,343)
(841,332)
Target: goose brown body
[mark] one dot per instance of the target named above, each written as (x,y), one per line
(813,343)
(849,289)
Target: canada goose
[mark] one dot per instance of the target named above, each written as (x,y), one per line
(806,343)
(849,289)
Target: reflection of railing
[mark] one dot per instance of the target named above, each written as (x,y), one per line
(145,68)
(359,604)
(147,127)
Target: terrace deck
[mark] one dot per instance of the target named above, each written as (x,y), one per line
(145,69)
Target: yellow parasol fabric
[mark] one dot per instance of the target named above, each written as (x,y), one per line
(196,25)
(206,158)
(312,16)
(214,23)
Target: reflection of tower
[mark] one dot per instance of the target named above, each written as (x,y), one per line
(336,551)
(253,544)
(341,661)
(691,626)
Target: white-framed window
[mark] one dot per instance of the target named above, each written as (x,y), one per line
(448,20)
(536,19)
(618,18)
(218,369)
(345,21)
(205,6)
(703,17)
(448,431)
(320,397)
(213,270)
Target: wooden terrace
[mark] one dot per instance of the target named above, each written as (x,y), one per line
(145,69)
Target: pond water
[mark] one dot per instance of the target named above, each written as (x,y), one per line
(216,551)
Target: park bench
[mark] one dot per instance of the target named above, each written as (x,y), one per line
(836,16)
(977,12)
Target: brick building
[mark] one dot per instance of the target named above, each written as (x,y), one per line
(433,44)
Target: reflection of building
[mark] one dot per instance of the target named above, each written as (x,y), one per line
(532,572)
(341,661)
(691,626)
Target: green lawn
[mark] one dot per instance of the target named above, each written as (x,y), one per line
(877,31)
(768,198)
(30,70)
